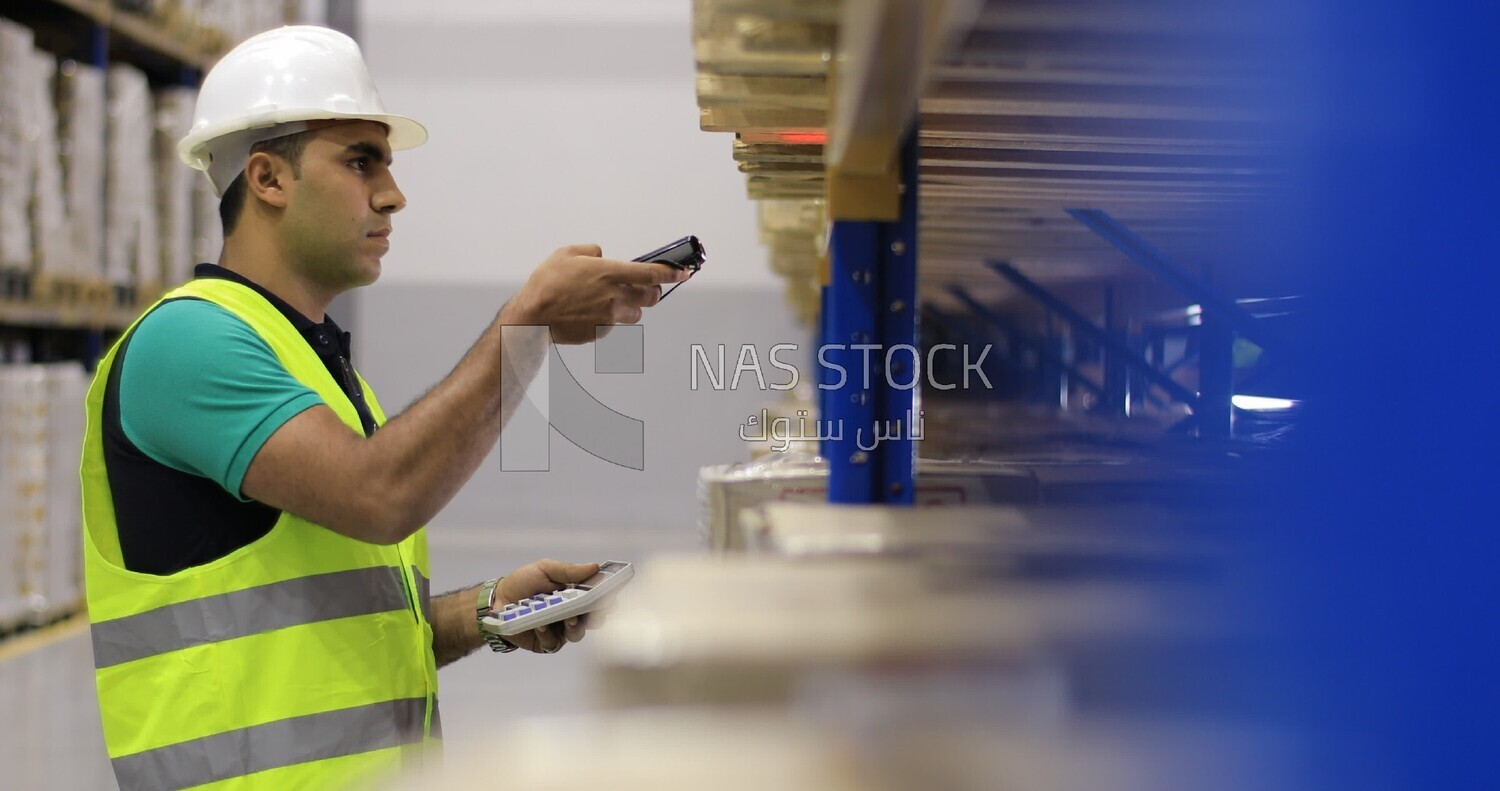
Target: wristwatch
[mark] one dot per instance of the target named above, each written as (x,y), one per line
(483,606)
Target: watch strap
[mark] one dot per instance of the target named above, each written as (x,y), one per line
(484,604)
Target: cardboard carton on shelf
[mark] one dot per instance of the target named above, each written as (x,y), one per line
(724,491)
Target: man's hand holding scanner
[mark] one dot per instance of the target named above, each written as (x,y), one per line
(577,290)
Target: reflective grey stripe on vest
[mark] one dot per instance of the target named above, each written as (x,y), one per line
(263,608)
(424,592)
(295,740)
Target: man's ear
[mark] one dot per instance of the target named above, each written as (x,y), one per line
(265,176)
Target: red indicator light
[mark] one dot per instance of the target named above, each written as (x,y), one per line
(804,138)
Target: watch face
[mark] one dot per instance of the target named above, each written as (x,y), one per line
(486,601)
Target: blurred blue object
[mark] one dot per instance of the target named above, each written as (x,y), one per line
(1381,530)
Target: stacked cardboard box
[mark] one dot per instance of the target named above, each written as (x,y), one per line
(725,491)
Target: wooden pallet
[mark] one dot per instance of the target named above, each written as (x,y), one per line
(74,294)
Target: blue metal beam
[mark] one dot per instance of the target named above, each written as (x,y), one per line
(1116,373)
(849,407)
(898,328)
(1215,411)
(825,374)
(1010,329)
(1105,339)
(1139,250)
(939,324)
(871,303)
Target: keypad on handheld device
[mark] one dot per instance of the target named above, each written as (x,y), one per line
(545,608)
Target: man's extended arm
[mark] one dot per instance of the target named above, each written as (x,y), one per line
(383,488)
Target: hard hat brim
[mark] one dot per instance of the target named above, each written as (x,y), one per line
(404,132)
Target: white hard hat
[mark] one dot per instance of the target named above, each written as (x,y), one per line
(271,85)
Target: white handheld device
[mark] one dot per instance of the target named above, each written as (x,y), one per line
(576,599)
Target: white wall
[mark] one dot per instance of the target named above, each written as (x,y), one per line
(553,122)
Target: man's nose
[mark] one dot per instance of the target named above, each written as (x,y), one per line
(389,200)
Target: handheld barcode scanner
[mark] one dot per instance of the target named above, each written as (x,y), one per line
(685,253)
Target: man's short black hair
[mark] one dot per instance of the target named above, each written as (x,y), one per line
(288,147)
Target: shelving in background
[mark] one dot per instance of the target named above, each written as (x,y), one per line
(98,217)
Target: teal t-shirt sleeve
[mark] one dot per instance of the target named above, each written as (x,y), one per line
(201,392)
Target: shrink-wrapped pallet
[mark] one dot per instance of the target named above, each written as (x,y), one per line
(66,385)
(17,105)
(81,97)
(174,117)
(52,245)
(131,245)
(23,483)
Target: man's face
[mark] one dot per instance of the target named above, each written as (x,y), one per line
(338,214)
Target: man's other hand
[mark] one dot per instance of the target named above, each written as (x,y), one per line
(545,576)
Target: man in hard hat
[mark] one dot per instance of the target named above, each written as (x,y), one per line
(255,556)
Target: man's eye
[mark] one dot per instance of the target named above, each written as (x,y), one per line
(360,164)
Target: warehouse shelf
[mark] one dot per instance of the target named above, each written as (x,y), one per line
(1047,141)
(1025,109)
(171,47)
(24,314)
(58,310)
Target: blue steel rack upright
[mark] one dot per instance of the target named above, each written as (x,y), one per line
(869,317)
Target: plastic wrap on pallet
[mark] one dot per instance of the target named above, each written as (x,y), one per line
(51,240)
(23,483)
(131,254)
(12,604)
(174,117)
(725,491)
(81,98)
(17,105)
(66,385)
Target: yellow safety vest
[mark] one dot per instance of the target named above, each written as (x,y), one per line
(301,661)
